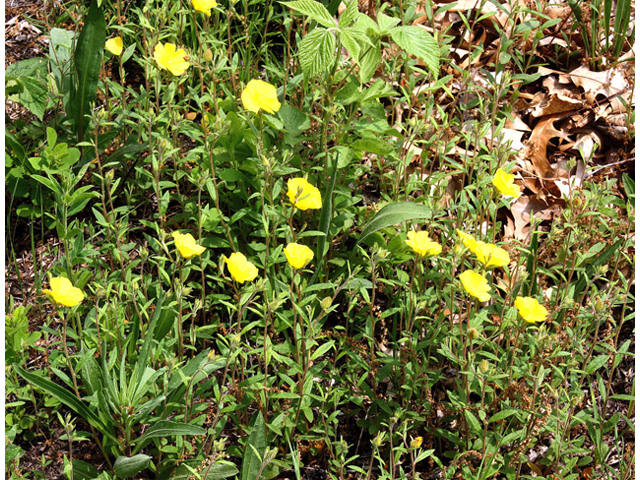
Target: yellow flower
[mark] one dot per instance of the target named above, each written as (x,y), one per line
(114,45)
(259,95)
(204,6)
(491,255)
(530,309)
(64,293)
(187,245)
(422,245)
(503,181)
(416,442)
(298,255)
(468,240)
(240,268)
(170,59)
(475,285)
(303,195)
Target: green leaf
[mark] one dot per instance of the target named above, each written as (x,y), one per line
(314,10)
(87,62)
(165,428)
(351,38)
(417,41)
(474,424)
(317,52)
(596,363)
(251,462)
(393,214)
(502,414)
(369,61)
(68,398)
(31,94)
(129,466)
(379,147)
(349,15)
(83,470)
(216,471)
(386,23)
(295,120)
(629,186)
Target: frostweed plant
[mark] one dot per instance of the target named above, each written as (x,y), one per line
(530,310)
(303,195)
(475,285)
(503,182)
(64,293)
(204,6)
(422,245)
(187,245)
(260,95)
(241,269)
(298,255)
(114,45)
(168,58)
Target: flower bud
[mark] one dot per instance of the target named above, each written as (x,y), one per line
(376,442)
(208,55)
(473,333)
(325,303)
(484,366)
(599,305)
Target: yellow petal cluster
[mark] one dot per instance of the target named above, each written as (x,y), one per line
(476,285)
(530,309)
(503,181)
(422,245)
(488,254)
(204,6)
(241,269)
(171,59)
(114,45)
(303,195)
(63,293)
(259,95)
(298,255)
(187,245)
(416,442)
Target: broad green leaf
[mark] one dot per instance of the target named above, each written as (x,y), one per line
(371,145)
(366,24)
(31,93)
(314,10)
(351,38)
(129,466)
(167,428)
(317,52)
(474,424)
(217,471)
(295,120)
(417,41)
(31,67)
(349,15)
(502,414)
(83,470)
(257,439)
(393,214)
(370,58)
(87,62)
(386,23)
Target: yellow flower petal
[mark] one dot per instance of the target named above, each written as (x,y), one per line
(303,195)
(475,285)
(530,309)
(468,240)
(298,255)
(114,45)
(169,59)
(259,95)
(503,181)
(64,293)
(187,245)
(491,255)
(422,245)
(241,269)
(204,6)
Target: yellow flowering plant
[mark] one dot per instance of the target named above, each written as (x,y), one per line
(204,6)
(475,285)
(168,58)
(259,95)
(187,245)
(303,195)
(241,269)
(114,45)
(298,255)
(63,292)
(422,245)
(503,182)
(467,240)
(530,310)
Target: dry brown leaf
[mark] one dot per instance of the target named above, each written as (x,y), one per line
(536,148)
(523,208)
(609,83)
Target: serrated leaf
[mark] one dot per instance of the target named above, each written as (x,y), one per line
(350,38)
(349,15)
(317,52)
(417,41)
(371,56)
(365,24)
(386,23)
(393,214)
(314,10)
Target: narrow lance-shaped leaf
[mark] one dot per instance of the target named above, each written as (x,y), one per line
(87,59)
(393,214)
